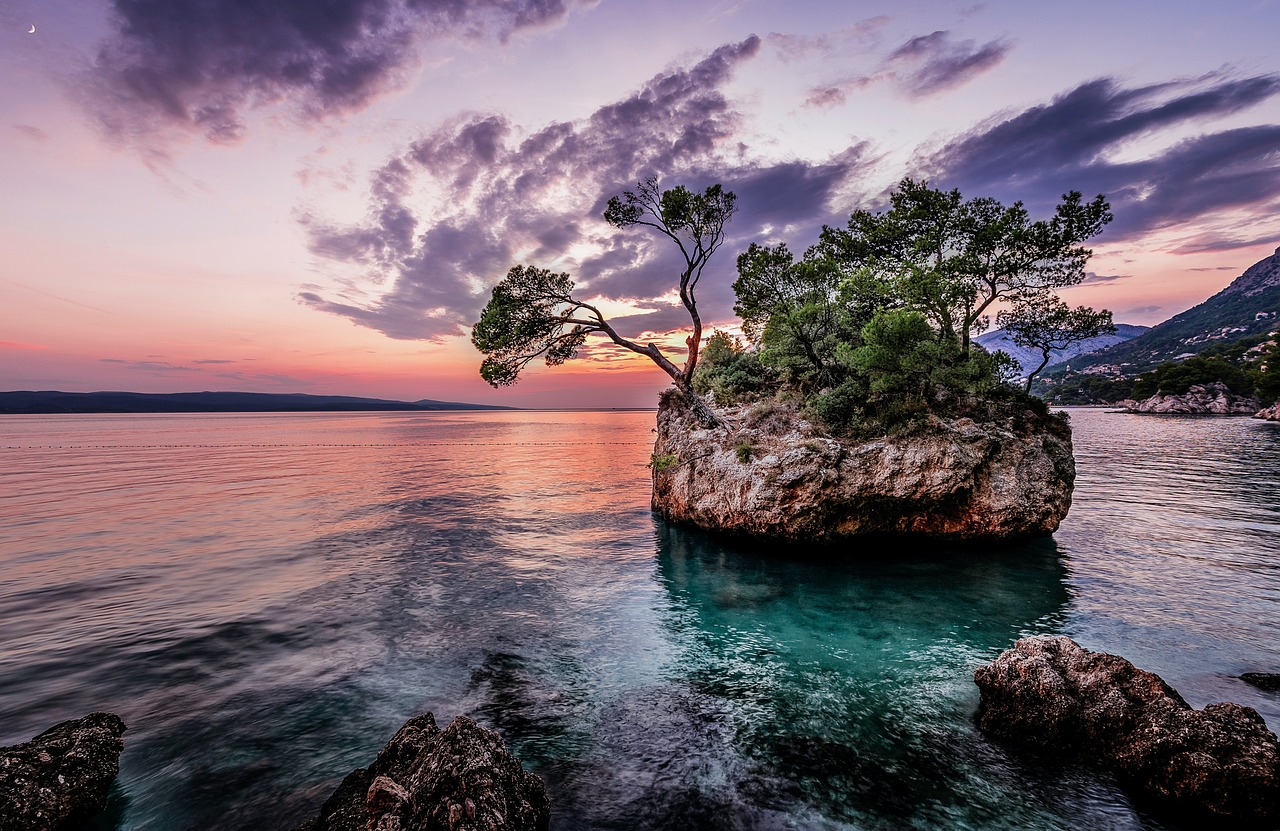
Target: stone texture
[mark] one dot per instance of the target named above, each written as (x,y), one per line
(426,779)
(62,776)
(1271,413)
(1200,399)
(1268,681)
(766,472)
(1050,694)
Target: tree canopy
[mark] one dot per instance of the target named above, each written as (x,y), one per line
(533,313)
(1049,324)
(872,325)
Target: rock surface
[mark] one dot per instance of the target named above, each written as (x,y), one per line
(426,779)
(1271,413)
(62,776)
(1051,694)
(1268,681)
(1201,399)
(766,472)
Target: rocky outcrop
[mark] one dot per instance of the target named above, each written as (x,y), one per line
(62,776)
(1268,681)
(1049,693)
(1201,399)
(1271,413)
(764,471)
(426,779)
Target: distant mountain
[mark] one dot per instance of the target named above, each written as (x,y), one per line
(1029,359)
(50,401)
(1249,306)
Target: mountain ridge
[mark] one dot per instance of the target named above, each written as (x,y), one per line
(1249,305)
(1029,359)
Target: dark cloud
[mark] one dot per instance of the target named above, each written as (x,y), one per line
(497,196)
(934,63)
(201,65)
(1093,279)
(923,66)
(205,361)
(1210,244)
(1215,268)
(1141,310)
(1070,144)
(148,366)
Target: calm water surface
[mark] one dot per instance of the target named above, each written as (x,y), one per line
(266,598)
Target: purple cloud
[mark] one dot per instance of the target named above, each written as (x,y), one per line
(501,196)
(200,66)
(1039,153)
(923,66)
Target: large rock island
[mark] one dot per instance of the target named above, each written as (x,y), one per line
(766,471)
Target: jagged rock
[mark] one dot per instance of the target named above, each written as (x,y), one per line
(1051,694)
(62,776)
(766,472)
(1268,681)
(1201,399)
(426,779)
(1271,413)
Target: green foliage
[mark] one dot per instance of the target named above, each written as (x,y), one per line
(730,372)
(1175,378)
(1082,388)
(743,451)
(1046,323)
(1267,373)
(951,258)
(871,327)
(661,462)
(529,316)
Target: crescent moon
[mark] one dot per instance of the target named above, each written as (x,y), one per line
(32,30)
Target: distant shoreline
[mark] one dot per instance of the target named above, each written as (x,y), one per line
(54,402)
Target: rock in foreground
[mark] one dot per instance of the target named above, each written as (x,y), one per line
(1271,413)
(62,776)
(458,779)
(1201,399)
(1051,694)
(766,472)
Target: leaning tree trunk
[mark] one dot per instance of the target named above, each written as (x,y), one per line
(701,410)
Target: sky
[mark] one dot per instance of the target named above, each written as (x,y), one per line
(317,196)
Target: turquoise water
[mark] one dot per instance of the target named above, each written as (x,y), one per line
(266,598)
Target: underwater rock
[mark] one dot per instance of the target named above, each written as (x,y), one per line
(426,779)
(62,776)
(765,471)
(1268,681)
(1049,693)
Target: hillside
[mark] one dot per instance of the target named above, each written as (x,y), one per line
(52,401)
(1248,306)
(1029,359)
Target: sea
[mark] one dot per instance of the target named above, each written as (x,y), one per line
(265,598)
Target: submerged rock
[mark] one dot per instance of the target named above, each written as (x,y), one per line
(1268,681)
(1200,399)
(766,472)
(426,779)
(62,776)
(1049,693)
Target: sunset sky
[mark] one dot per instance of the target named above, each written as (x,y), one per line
(316,195)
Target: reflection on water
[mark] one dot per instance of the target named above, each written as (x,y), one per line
(265,598)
